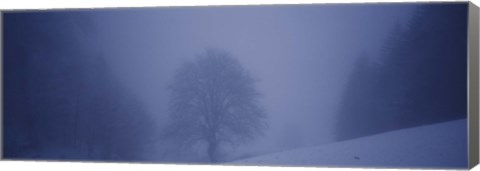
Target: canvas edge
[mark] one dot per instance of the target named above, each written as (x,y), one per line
(473,79)
(1,86)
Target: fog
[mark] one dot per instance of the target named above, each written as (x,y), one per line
(301,55)
(117,65)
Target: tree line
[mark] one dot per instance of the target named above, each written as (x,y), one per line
(61,100)
(419,78)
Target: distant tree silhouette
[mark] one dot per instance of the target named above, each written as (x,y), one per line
(61,99)
(420,79)
(214,101)
(358,87)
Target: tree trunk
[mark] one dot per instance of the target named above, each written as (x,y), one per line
(212,150)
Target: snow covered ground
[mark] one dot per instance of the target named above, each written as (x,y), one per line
(442,145)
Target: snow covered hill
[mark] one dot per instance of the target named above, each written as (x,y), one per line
(442,145)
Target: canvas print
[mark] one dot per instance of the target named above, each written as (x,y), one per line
(318,85)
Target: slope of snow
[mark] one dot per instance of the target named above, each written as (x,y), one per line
(441,145)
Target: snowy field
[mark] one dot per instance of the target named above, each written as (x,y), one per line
(442,145)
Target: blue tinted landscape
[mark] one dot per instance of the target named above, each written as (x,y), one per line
(332,85)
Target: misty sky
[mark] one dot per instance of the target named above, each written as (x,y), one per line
(301,55)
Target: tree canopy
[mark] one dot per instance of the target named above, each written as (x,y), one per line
(214,101)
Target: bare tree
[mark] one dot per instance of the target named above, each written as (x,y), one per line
(213,101)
